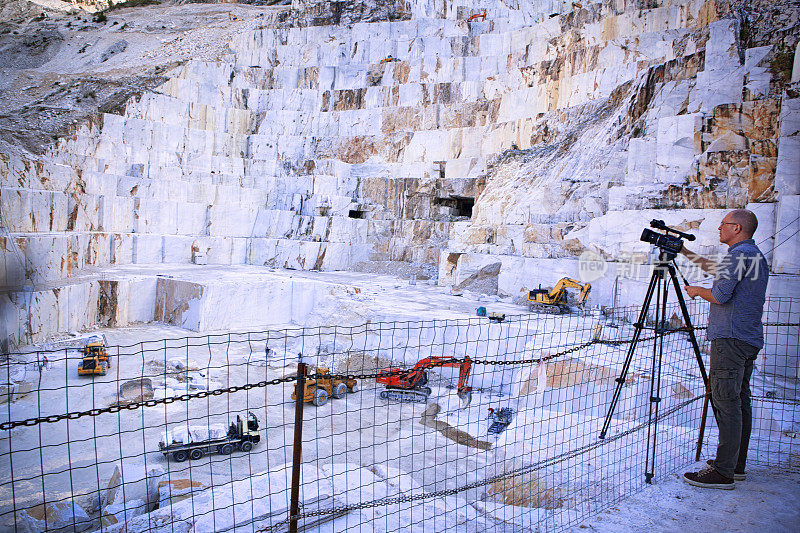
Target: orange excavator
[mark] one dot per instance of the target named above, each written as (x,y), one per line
(409,385)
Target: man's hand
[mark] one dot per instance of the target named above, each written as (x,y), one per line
(694,291)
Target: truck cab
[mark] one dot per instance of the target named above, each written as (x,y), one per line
(246,430)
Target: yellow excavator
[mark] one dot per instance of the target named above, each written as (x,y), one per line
(554,301)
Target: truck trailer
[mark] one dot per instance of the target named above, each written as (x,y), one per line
(193,442)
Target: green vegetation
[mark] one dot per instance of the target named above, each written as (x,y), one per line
(782,64)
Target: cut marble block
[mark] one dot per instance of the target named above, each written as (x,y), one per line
(198,304)
(641,164)
(148,249)
(786,257)
(787,173)
(781,353)
(154,216)
(677,145)
(722,52)
(177,248)
(118,213)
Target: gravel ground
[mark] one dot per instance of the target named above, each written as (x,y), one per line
(769,500)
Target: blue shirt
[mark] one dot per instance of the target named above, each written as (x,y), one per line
(740,287)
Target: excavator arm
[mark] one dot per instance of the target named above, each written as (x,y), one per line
(463,375)
(584,294)
(565,283)
(558,292)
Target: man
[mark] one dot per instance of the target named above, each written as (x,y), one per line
(736,335)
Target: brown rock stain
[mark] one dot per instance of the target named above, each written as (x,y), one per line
(180,484)
(356,149)
(526,490)
(428,419)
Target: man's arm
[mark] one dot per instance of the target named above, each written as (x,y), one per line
(725,281)
(702,292)
(706,264)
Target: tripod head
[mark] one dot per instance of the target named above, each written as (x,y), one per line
(669,243)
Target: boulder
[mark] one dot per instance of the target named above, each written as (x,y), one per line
(140,482)
(136,390)
(483,281)
(120,513)
(171,491)
(54,515)
(14,391)
(182,364)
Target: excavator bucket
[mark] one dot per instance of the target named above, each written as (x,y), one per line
(466,399)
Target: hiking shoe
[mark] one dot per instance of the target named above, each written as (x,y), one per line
(737,476)
(708,478)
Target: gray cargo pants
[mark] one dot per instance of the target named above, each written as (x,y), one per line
(731,368)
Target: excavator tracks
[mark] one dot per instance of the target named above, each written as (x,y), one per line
(536,307)
(400,395)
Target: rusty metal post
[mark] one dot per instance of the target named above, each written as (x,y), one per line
(300,386)
(702,425)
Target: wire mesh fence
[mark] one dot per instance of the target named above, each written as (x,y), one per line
(469,424)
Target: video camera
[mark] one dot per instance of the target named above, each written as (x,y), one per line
(666,242)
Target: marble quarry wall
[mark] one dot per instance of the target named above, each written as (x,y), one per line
(402,132)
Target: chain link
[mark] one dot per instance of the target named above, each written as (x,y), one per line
(131,406)
(143,403)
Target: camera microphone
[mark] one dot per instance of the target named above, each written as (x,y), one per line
(659,224)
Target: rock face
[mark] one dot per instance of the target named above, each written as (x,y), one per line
(341,133)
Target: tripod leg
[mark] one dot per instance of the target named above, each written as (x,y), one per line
(629,356)
(696,346)
(688,321)
(702,427)
(655,382)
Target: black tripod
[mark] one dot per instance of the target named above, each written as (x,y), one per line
(658,286)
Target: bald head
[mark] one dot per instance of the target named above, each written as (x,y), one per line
(746,219)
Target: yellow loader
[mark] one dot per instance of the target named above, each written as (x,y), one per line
(95,358)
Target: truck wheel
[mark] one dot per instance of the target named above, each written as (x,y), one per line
(196,454)
(180,456)
(354,388)
(320,397)
(339,390)
(226,449)
(246,446)
(103,368)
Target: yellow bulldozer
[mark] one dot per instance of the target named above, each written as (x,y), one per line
(95,359)
(554,301)
(318,390)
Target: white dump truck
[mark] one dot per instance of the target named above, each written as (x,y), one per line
(192,442)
